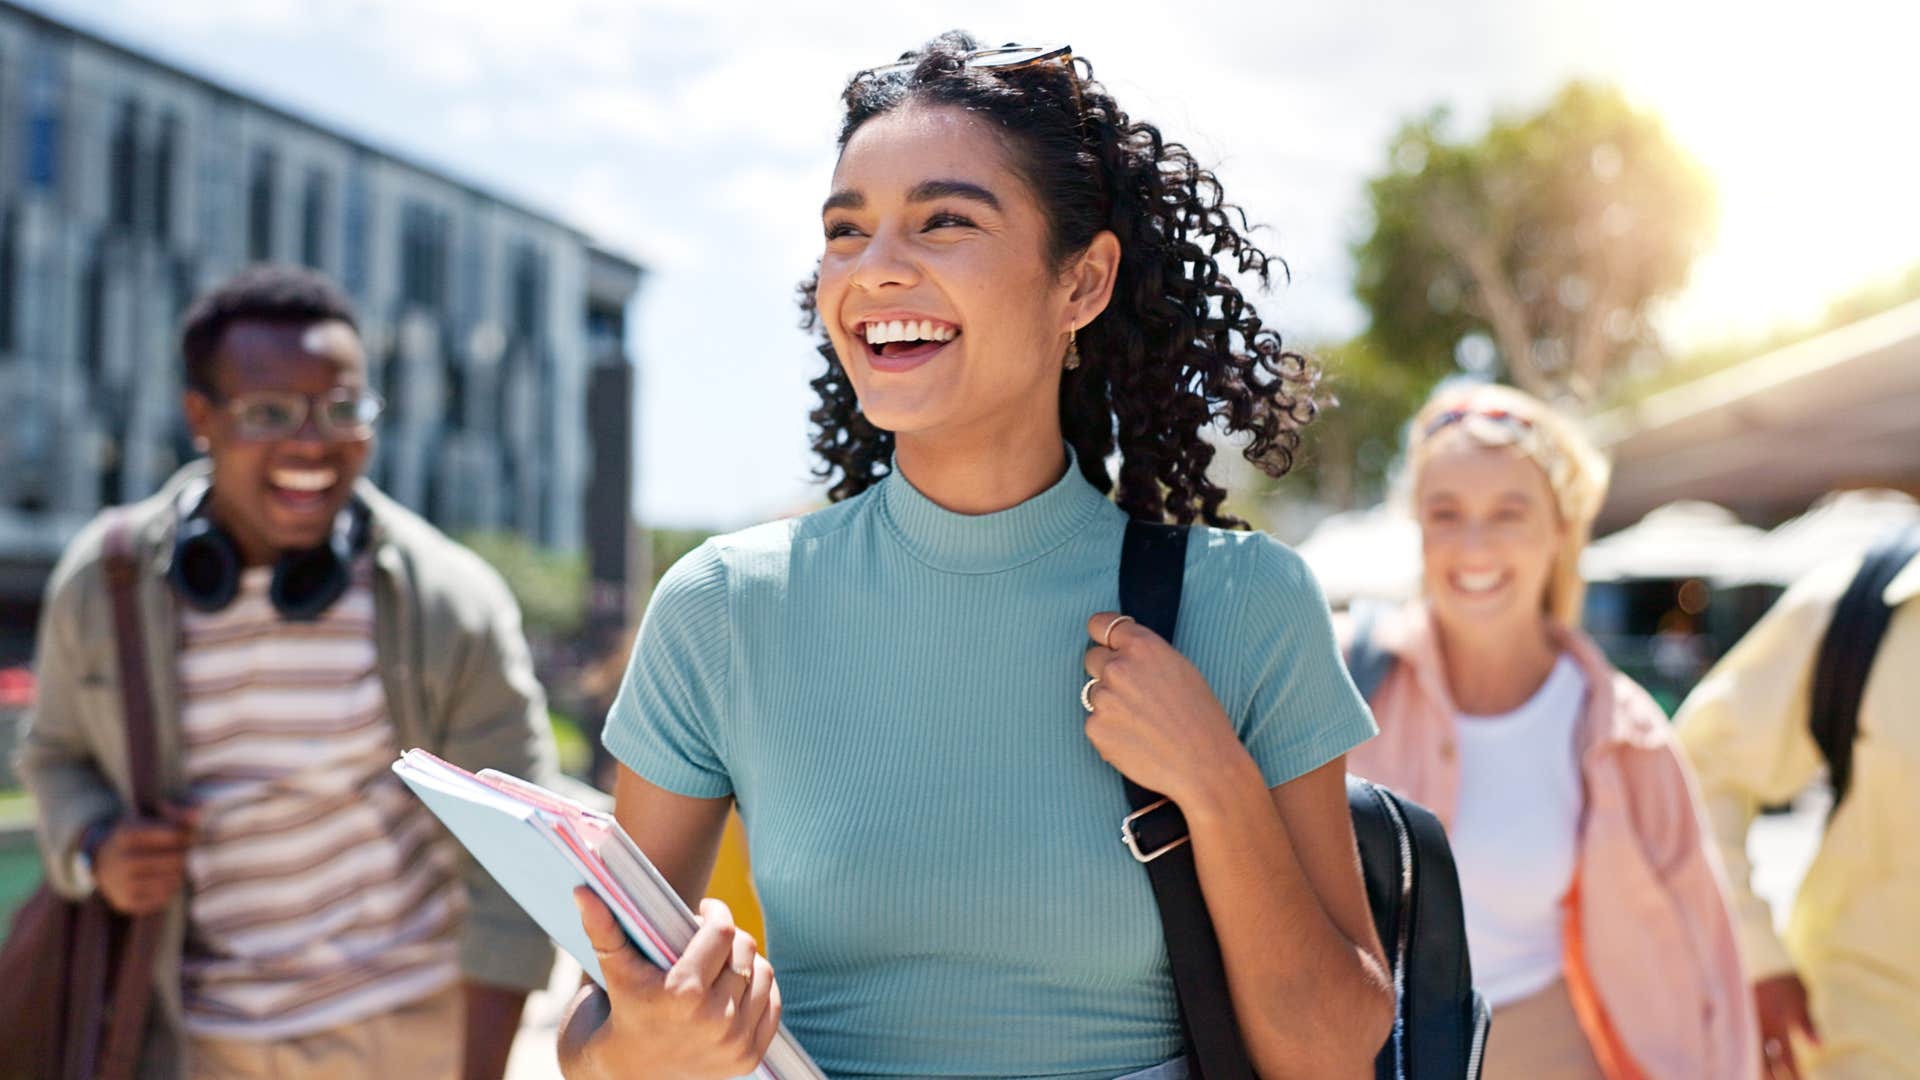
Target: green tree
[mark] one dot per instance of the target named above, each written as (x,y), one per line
(1366,397)
(1534,250)
(550,586)
(666,547)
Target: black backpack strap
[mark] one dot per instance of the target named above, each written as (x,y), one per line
(1847,653)
(1445,1018)
(1367,663)
(1152,567)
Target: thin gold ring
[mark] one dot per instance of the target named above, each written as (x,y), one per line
(1106,639)
(1085,702)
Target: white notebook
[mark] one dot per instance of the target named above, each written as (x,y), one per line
(539,846)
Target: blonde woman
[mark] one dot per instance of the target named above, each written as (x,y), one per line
(1596,912)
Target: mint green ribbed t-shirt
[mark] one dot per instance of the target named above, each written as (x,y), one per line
(890,690)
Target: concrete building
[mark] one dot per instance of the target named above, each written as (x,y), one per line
(128,185)
(1768,437)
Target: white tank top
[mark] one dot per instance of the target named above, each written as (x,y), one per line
(1516,832)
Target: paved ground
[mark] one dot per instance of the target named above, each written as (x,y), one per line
(1781,847)
(533,1049)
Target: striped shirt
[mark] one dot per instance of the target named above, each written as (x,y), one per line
(321,891)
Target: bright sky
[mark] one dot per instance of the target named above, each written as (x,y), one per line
(698,137)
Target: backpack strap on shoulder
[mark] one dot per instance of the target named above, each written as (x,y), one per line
(1847,653)
(1153,562)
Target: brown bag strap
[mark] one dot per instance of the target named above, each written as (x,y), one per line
(123,582)
(133,980)
(89,965)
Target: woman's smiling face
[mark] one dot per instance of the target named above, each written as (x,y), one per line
(936,288)
(1489,532)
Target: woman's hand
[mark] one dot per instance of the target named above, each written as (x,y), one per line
(709,1017)
(1154,717)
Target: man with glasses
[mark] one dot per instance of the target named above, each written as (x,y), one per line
(308,628)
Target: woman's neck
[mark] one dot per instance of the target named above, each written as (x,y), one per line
(982,476)
(1494,670)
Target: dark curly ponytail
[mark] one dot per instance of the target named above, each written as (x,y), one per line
(1178,347)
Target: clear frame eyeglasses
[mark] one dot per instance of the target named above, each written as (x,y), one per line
(343,414)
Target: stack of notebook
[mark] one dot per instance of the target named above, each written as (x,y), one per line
(539,846)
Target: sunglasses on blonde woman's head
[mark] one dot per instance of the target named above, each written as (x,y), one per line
(1501,417)
(1008,57)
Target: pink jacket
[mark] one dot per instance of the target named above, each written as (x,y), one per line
(1651,962)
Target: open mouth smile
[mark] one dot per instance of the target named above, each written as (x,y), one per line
(1478,583)
(302,490)
(897,344)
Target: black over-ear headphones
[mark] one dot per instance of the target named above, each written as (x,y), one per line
(206,564)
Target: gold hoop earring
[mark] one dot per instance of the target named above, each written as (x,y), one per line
(1073,350)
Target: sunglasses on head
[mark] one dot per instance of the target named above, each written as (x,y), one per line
(1008,57)
(1502,417)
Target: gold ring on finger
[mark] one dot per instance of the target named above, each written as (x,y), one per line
(1106,639)
(1086,702)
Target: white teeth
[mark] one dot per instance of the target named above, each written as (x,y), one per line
(1482,582)
(880,333)
(304,479)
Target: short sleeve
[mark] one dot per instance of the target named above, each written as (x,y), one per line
(668,723)
(1302,709)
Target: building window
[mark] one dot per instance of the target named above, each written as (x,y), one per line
(9,277)
(473,270)
(606,335)
(123,165)
(165,155)
(260,192)
(526,293)
(423,256)
(44,91)
(355,222)
(313,219)
(92,328)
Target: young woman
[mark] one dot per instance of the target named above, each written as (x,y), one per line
(1596,913)
(1019,281)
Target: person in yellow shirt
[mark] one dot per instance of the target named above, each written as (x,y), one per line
(1839,997)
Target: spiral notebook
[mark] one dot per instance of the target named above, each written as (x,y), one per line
(539,846)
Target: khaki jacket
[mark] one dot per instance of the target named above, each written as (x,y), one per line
(1854,932)
(1651,963)
(458,677)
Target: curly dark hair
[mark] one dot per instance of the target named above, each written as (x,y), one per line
(1176,348)
(268,292)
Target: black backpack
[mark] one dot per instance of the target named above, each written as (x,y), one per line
(1440,1021)
(1413,892)
(1847,653)
(1443,1021)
